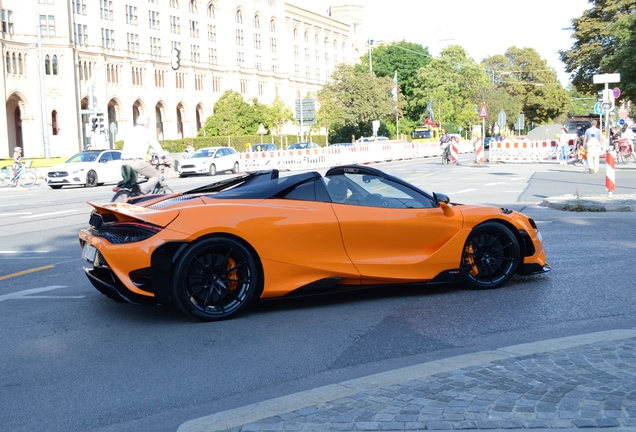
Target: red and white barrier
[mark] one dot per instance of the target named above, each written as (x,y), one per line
(609,172)
(479,152)
(525,151)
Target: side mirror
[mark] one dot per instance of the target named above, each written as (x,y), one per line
(443,201)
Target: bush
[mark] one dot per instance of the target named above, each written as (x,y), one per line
(239,143)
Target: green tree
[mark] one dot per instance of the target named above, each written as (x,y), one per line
(277,115)
(404,57)
(536,85)
(580,103)
(356,98)
(605,42)
(452,81)
(232,116)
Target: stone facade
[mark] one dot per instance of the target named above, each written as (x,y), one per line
(117,55)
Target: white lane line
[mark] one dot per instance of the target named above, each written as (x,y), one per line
(19,252)
(26,294)
(494,184)
(15,214)
(48,214)
(461,191)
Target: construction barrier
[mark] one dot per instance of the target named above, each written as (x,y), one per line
(479,152)
(610,180)
(526,151)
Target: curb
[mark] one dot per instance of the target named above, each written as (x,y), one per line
(227,420)
(598,203)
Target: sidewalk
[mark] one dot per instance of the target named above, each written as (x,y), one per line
(586,381)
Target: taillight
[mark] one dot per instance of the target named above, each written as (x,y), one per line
(127,231)
(115,189)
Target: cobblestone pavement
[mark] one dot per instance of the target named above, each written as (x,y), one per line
(587,382)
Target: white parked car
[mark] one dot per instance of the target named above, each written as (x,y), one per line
(88,168)
(209,161)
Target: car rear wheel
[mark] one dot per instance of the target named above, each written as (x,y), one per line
(212,170)
(490,257)
(91,179)
(235,170)
(215,279)
(55,186)
(121,195)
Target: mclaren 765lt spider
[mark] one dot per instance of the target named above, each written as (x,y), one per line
(214,249)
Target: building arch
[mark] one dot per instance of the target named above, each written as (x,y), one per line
(182,115)
(200,116)
(114,117)
(17,113)
(161,114)
(138,108)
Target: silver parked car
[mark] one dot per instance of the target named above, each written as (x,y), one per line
(210,160)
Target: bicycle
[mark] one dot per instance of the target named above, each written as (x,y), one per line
(446,154)
(25,177)
(129,186)
(625,151)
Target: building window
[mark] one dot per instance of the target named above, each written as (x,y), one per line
(296,52)
(257,62)
(240,58)
(175,24)
(216,84)
(79,7)
(192,6)
(326,58)
(81,35)
(306,54)
(239,37)
(272,26)
(326,43)
(198,82)
(7,21)
(316,39)
(133,42)
(244,84)
(238,17)
(257,41)
(194,29)
(50,64)
(153,20)
(106,10)
(212,55)
(211,13)
(195,54)
(297,71)
(306,37)
(54,123)
(317,73)
(272,3)
(155,46)
(160,78)
(180,80)
(174,4)
(257,21)
(211,33)
(176,45)
(113,73)
(272,45)
(47,25)
(261,86)
(295,34)
(108,38)
(317,56)
(307,72)
(138,76)
(46,2)
(131,15)
(273,65)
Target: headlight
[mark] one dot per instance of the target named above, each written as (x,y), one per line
(79,170)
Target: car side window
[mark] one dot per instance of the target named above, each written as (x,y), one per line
(106,157)
(116,155)
(303,192)
(375,191)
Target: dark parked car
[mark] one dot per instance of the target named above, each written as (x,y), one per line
(302,145)
(264,147)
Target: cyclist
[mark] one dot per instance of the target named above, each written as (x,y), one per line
(629,135)
(17,164)
(136,147)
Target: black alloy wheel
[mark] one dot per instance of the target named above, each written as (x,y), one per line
(91,179)
(215,279)
(490,257)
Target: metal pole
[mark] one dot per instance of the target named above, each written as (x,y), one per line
(45,131)
(370,42)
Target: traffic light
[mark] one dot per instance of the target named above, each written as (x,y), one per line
(101,124)
(175,58)
(94,121)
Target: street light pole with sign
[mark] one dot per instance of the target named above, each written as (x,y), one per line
(305,113)
(607,104)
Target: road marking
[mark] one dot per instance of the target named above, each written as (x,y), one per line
(26,294)
(15,214)
(22,273)
(17,252)
(494,184)
(48,214)
(461,191)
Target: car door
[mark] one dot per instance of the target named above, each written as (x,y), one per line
(110,166)
(394,232)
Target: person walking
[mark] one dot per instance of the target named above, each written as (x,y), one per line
(135,150)
(563,149)
(592,144)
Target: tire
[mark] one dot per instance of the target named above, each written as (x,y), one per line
(236,167)
(122,195)
(490,256)
(55,186)
(212,170)
(28,179)
(167,190)
(91,179)
(183,175)
(621,158)
(214,279)
(5,178)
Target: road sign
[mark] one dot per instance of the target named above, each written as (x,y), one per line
(598,109)
(617,92)
(606,78)
(520,124)
(501,119)
(621,122)
(483,112)
(261,130)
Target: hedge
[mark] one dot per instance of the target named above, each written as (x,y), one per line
(239,143)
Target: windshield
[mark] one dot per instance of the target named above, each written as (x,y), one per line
(422,134)
(83,157)
(203,153)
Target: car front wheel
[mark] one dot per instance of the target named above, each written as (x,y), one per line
(212,170)
(490,256)
(91,179)
(214,279)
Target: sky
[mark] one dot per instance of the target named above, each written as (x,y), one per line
(482,27)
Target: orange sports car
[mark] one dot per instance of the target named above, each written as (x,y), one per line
(213,250)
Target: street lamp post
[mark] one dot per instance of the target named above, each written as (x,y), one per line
(45,131)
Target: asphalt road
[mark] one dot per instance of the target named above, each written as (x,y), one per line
(73,360)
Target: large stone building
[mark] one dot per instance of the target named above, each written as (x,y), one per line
(114,56)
